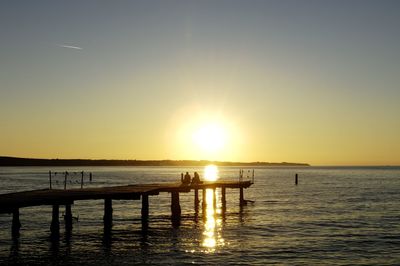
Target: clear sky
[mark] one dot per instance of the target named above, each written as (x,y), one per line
(297,81)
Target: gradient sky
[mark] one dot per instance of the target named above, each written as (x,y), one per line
(297,81)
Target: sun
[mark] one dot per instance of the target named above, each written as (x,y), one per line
(199,134)
(211,173)
(210,138)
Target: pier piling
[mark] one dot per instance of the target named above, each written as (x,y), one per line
(175,209)
(55,222)
(107,218)
(296,179)
(242,202)
(223,197)
(16,224)
(204,200)
(145,210)
(196,200)
(214,199)
(68,218)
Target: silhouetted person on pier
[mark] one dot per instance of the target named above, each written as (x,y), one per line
(196,179)
(186,179)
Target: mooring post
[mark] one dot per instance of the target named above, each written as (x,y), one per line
(296,180)
(241,198)
(82,179)
(16,224)
(223,197)
(55,222)
(107,218)
(196,199)
(175,209)
(145,210)
(50,179)
(68,218)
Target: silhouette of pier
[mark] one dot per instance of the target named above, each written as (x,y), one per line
(12,202)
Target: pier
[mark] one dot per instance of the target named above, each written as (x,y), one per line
(13,202)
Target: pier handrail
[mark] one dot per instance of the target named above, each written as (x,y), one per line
(251,179)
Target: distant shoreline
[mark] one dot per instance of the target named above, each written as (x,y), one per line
(15,161)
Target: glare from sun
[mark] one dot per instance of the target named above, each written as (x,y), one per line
(211,173)
(210,138)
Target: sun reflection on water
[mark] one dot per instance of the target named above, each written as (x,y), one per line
(210,173)
(212,238)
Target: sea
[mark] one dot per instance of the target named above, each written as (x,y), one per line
(333,216)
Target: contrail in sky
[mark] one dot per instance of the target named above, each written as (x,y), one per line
(70,46)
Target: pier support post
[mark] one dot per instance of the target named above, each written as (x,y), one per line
(214,199)
(223,197)
(204,203)
(242,202)
(296,179)
(196,200)
(55,222)
(145,211)
(68,218)
(175,209)
(107,218)
(16,224)
(204,198)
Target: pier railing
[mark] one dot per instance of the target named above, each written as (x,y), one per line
(249,175)
(57,179)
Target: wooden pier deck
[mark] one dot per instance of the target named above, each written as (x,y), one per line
(12,202)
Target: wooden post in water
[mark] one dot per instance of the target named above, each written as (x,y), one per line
(196,200)
(214,199)
(82,180)
(242,202)
(223,201)
(68,218)
(16,224)
(296,179)
(175,209)
(204,204)
(204,198)
(50,179)
(223,197)
(107,218)
(55,222)
(145,210)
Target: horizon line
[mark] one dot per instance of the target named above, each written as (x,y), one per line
(12,158)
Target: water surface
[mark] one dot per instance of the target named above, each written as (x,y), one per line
(335,216)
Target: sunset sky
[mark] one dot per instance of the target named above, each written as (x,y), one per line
(296,81)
